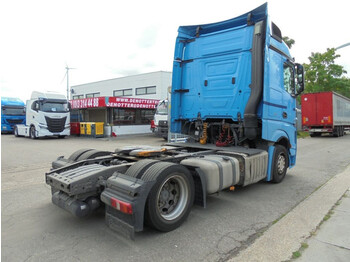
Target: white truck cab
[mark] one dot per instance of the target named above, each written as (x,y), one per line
(47,114)
(161,119)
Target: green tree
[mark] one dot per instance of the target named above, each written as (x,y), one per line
(322,74)
(289,41)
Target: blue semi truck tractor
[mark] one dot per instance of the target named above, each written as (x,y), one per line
(233,93)
(12,113)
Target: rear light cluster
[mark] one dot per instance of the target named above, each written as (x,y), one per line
(121,206)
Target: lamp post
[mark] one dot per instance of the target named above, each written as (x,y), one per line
(67,75)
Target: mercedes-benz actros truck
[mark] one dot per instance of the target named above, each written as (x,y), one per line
(234,89)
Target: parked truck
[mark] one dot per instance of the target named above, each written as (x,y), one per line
(159,124)
(47,114)
(234,87)
(325,113)
(12,113)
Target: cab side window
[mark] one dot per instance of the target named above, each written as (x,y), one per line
(35,106)
(288,78)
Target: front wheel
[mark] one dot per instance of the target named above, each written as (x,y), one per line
(280,164)
(15,131)
(32,132)
(171,198)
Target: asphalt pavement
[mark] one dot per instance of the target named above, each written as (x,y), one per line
(33,229)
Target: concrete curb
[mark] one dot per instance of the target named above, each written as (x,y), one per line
(285,237)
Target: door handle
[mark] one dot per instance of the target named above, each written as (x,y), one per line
(284,114)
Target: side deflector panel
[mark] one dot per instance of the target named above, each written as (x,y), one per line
(212,69)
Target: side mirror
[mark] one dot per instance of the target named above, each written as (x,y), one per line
(36,107)
(299,69)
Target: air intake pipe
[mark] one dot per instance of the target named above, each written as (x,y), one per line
(250,121)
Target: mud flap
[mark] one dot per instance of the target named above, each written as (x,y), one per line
(129,190)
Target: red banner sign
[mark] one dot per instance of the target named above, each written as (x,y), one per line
(112,101)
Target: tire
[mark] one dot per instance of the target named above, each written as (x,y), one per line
(280,164)
(92,154)
(138,169)
(73,157)
(336,132)
(32,132)
(171,197)
(315,134)
(15,131)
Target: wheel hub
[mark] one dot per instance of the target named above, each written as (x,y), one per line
(281,163)
(168,197)
(172,198)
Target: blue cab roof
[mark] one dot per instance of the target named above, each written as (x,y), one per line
(258,14)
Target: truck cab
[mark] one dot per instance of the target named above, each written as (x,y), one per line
(235,84)
(47,114)
(12,113)
(160,119)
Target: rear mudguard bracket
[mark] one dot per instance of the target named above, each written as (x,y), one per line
(130,190)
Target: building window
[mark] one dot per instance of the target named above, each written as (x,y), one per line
(124,92)
(78,97)
(92,95)
(131,116)
(147,90)
(146,116)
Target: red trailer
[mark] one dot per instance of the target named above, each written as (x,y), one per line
(325,112)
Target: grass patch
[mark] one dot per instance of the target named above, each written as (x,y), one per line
(304,245)
(302,134)
(297,254)
(328,216)
(278,219)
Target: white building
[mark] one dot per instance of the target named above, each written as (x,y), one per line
(126,105)
(150,86)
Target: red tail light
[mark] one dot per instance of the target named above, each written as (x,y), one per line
(121,206)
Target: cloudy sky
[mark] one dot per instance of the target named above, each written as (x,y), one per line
(108,39)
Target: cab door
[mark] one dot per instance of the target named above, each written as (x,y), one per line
(279,113)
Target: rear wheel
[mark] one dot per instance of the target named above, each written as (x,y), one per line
(315,134)
(171,198)
(77,154)
(280,164)
(138,169)
(336,131)
(90,154)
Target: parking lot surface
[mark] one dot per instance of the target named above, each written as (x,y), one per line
(33,229)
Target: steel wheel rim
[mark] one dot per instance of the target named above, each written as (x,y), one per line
(172,197)
(281,164)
